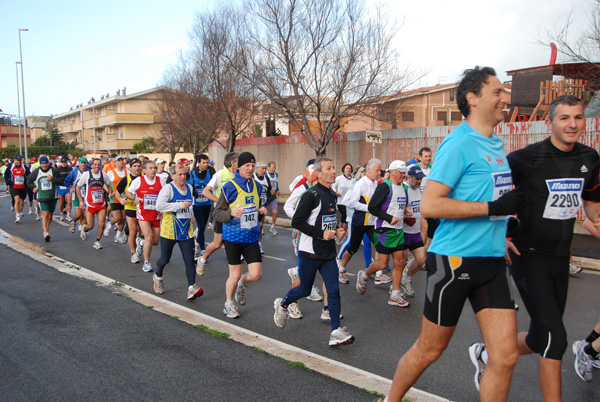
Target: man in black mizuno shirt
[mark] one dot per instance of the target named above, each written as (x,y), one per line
(557,176)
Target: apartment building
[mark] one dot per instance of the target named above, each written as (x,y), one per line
(113,124)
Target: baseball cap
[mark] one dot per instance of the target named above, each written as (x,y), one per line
(44,159)
(158,161)
(64,159)
(398,165)
(416,172)
(18,157)
(183,161)
(113,155)
(117,157)
(83,159)
(310,173)
(211,162)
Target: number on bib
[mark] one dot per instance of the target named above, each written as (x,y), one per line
(249,218)
(45,184)
(564,198)
(97,196)
(150,201)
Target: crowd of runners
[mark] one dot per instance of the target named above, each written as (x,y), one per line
(472,219)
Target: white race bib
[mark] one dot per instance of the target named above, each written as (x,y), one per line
(19,180)
(564,198)
(150,201)
(62,188)
(502,185)
(249,218)
(184,213)
(45,184)
(97,196)
(415,207)
(329,222)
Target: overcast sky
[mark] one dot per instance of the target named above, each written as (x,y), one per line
(78,49)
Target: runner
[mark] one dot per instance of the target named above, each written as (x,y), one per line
(224,175)
(95,183)
(161,172)
(144,190)
(557,175)
(115,175)
(469,188)
(343,183)
(412,228)
(130,209)
(237,209)
(362,221)
(64,196)
(43,181)
(273,193)
(316,219)
(261,177)
(389,205)
(201,176)
(175,201)
(14,177)
(70,181)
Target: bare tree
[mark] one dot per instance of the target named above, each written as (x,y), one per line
(318,62)
(578,42)
(234,97)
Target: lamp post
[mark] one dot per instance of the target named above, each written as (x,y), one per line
(19,105)
(23,92)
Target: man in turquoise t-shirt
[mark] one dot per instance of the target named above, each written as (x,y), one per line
(469,188)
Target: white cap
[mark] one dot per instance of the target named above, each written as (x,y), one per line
(399,166)
(158,161)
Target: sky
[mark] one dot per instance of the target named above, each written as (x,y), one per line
(75,50)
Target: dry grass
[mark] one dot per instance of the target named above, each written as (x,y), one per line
(31,246)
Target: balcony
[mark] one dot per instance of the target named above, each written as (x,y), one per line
(125,118)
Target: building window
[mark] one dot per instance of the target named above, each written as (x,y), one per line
(456,116)
(442,115)
(408,116)
(452,97)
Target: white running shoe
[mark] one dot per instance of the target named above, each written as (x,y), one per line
(293,273)
(574,269)
(139,249)
(343,278)
(326,317)
(30,211)
(361,282)
(194,292)
(147,267)
(314,295)
(398,301)
(281,314)
(68,217)
(475,352)
(61,217)
(97,245)
(407,287)
(382,279)
(158,284)
(273,230)
(294,311)
(240,295)
(83,235)
(231,310)
(134,258)
(583,361)
(46,237)
(38,217)
(106,231)
(340,337)
(200,266)
(262,252)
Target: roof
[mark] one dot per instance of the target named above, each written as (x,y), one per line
(424,91)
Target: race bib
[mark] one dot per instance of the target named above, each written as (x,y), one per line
(45,184)
(415,207)
(150,201)
(97,196)
(249,218)
(263,199)
(201,198)
(62,188)
(502,185)
(329,222)
(564,198)
(184,213)
(19,180)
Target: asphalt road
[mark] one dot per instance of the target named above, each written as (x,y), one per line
(383,333)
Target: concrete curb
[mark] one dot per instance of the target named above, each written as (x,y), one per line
(342,372)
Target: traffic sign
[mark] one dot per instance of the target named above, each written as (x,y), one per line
(169,138)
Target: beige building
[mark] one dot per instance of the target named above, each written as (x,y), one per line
(9,135)
(113,124)
(37,126)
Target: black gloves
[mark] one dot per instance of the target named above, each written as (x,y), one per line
(510,203)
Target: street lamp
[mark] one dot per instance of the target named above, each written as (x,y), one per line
(19,105)
(23,91)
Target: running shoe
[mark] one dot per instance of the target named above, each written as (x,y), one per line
(200,266)
(583,361)
(83,235)
(72,226)
(398,301)
(407,287)
(134,258)
(61,217)
(574,269)
(240,295)
(107,231)
(293,273)
(262,252)
(294,311)
(46,237)
(30,210)
(361,282)
(158,284)
(124,238)
(68,217)
(475,352)
(18,219)
(231,310)
(281,313)
(147,267)
(273,230)
(196,250)
(382,279)
(340,337)
(97,245)
(194,292)
(117,238)
(343,278)
(392,288)
(139,249)
(325,315)
(38,217)
(314,295)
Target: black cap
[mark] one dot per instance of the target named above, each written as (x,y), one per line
(64,159)
(113,155)
(245,157)
(18,157)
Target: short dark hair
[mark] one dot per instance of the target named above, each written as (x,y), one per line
(472,81)
(424,149)
(347,164)
(568,100)
(203,157)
